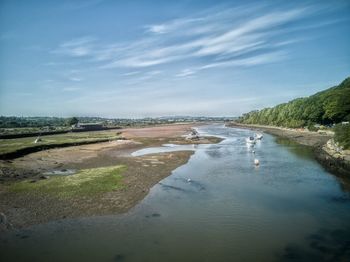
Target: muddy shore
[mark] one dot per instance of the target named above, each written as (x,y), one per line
(336,163)
(23,209)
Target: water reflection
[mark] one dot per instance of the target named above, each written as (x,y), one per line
(304,152)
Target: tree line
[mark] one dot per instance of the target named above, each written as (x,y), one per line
(328,107)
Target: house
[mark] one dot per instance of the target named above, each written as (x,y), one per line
(87,127)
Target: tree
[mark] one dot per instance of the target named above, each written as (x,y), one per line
(342,135)
(326,107)
(72,121)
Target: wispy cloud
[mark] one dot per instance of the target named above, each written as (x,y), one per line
(131,73)
(142,77)
(172,25)
(187,72)
(250,61)
(264,58)
(71,89)
(215,38)
(79,47)
(75,79)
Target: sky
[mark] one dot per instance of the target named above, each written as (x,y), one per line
(133,59)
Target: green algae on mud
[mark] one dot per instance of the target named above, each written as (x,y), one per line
(87,182)
(11,146)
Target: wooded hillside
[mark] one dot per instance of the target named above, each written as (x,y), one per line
(327,107)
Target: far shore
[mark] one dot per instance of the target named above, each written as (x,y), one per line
(25,200)
(334,161)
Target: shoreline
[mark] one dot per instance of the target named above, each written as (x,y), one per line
(107,136)
(329,159)
(21,209)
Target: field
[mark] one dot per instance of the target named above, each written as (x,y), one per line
(16,145)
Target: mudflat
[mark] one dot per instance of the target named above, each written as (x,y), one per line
(88,180)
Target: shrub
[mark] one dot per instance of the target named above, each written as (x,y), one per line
(342,135)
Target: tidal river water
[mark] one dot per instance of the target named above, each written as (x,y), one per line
(286,209)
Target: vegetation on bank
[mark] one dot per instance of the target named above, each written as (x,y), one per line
(342,135)
(87,182)
(327,108)
(13,145)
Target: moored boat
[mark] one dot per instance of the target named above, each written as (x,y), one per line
(259,136)
(250,140)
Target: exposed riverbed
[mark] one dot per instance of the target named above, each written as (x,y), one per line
(219,206)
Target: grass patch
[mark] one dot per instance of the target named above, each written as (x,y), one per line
(86,182)
(12,145)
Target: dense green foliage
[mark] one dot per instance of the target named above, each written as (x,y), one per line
(342,135)
(326,107)
(14,121)
(72,121)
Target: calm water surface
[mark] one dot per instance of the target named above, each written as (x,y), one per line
(287,209)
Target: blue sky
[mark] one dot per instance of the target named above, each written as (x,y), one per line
(154,58)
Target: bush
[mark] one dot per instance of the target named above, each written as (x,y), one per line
(72,121)
(342,135)
(311,127)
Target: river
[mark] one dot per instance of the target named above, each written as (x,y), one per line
(217,207)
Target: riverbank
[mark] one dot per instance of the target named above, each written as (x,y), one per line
(39,187)
(335,161)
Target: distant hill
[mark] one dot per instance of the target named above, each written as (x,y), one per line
(330,106)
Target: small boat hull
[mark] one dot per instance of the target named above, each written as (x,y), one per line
(258,136)
(250,140)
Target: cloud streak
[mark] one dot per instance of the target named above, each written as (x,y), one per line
(80,47)
(216,38)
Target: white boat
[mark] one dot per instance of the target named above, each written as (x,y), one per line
(194,135)
(259,136)
(256,162)
(250,140)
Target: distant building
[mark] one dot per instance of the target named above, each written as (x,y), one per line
(87,127)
